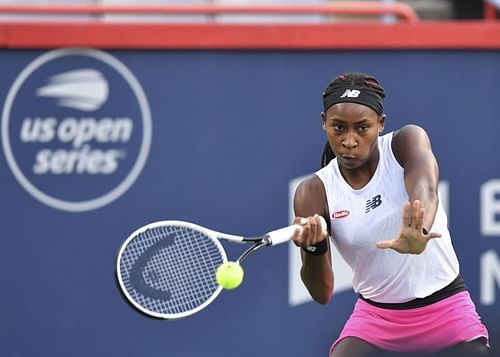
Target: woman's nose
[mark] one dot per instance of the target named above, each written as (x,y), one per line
(349,141)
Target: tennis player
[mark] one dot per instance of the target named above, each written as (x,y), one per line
(379,195)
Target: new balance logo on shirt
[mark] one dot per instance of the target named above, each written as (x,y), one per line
(373,203)
(351,93)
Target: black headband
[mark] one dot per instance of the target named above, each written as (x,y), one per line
(354,94)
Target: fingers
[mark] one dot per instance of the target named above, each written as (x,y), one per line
(417,216)
(406,214)
(322,225)
(413,215)
(420,219)
(385,244)
(313,230)
(297,234)
(433,235)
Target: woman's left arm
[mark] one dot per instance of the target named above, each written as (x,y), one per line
(412,148)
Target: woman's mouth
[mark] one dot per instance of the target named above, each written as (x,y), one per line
(348,157)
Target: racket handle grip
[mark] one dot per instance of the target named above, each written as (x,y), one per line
(285,234)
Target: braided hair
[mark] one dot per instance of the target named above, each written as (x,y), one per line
(341,82)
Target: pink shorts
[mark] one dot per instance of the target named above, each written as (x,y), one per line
(425,329)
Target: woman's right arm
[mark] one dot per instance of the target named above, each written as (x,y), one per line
(316,271)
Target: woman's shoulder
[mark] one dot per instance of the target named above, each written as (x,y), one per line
(409,129)
(311,188)
(406,139)
(311,184)
(310,196)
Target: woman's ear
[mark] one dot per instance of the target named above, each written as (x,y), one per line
(381,123)
(323,120)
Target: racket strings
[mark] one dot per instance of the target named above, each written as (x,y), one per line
(181,273)
(178,272)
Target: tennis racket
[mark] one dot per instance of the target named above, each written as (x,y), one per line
(167,269)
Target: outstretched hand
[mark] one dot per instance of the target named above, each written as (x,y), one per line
(412,239)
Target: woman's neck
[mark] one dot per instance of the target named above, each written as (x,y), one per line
(359,177)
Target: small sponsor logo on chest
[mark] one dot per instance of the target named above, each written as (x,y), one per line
(373,203)
(340,214)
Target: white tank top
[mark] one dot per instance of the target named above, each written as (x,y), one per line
(361,218)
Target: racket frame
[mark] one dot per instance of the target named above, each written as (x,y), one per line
(271,238)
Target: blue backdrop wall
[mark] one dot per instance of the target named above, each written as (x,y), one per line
(98,143)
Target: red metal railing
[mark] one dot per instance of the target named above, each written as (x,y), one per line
(351,8)
(92,30)
(490,11)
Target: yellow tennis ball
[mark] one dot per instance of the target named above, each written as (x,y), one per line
(229,275)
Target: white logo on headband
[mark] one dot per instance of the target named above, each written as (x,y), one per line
(351,93)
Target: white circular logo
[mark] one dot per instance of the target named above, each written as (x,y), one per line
(76,129)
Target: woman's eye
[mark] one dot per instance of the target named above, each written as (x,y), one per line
(362,129)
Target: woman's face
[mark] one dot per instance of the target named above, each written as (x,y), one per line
(352,130)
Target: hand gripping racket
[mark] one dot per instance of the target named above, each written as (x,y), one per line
(167,269)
